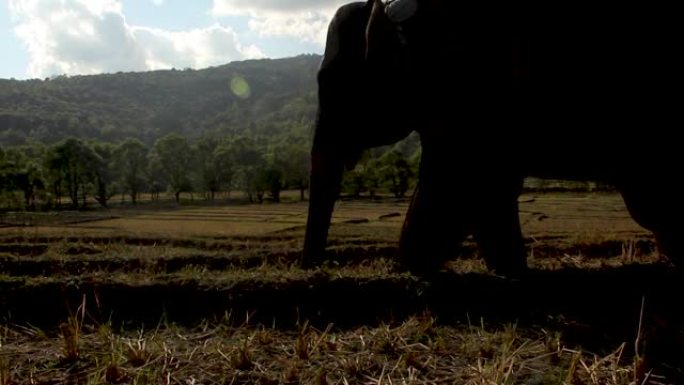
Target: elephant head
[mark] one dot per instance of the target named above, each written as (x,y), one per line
(383,76)
(362,104)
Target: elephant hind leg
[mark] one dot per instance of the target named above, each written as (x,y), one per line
(661,211)
(670,243)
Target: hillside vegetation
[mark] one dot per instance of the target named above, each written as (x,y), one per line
(256,97)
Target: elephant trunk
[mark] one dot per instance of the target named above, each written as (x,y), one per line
(351,105)
(376,29)
(326,176)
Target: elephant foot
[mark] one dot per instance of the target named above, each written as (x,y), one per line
(505,256)
(662,340)
(671,246)
(307,264)
(308,261)
(420,267)
(514,269)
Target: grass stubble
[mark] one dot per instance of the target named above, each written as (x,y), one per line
(415,350)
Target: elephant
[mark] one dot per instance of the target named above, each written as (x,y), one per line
(498,93)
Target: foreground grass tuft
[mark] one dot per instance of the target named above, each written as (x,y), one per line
(417,351)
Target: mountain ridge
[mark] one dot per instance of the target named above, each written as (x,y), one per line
(255,97)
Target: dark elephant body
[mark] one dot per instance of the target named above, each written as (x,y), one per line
(498,95)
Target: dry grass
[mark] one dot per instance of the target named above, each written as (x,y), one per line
(577,218)
(417,351)
(248,248)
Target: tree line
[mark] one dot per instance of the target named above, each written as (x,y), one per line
(74,173)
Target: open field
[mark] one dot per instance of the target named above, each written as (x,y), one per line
(211,294)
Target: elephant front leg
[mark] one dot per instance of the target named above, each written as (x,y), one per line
(326,176)
(670,244)
(498,232)
(654,201)
(431,233)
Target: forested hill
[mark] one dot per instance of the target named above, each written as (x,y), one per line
(267,97)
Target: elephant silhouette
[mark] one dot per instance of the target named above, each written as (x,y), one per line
(498,93)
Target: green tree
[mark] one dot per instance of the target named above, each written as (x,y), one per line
(104,172)
(364,177)
(395,171)
(249,163)
(270,179)
(20,170)
(371,176)
(414,162)
(29,181)
(174,158)
(72,164)
(4,174)
(131,162)
(354,181)
(54,175)
(225,162)
(215,163)
(3,167)
(297,160)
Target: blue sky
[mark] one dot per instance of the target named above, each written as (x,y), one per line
(42,38)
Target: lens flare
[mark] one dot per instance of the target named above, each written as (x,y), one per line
(240,87)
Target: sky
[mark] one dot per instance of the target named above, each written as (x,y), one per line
(44,38)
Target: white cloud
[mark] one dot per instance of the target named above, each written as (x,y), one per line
(92,36)
(158,2)
(241,6)
(304,19)
(196,48)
